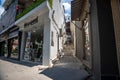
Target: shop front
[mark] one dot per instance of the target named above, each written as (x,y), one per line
(13,44)
(32,41)
(3,45)
(14,48)
(3,49)
(33,46)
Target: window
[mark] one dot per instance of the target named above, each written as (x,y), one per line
(3,27)
(52,38)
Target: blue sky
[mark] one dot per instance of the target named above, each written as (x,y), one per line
(1,8)
(67,5)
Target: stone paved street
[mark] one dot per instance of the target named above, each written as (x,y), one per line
(15,70)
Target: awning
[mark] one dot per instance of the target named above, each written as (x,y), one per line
(76,9)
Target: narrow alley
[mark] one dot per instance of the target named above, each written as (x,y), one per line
(59,39)
(67,68)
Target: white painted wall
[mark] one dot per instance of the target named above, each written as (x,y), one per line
(57,23)
(46,42)
(50,25)
(53,49)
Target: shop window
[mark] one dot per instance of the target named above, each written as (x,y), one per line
(14,48)
(3,27)
(33,47)
(11,2)
(3,49)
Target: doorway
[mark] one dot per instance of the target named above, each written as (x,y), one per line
(33,46)
(14,52)
(3,49)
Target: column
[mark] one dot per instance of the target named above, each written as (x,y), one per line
(46,43)
(19,42)
(9,47)
(22,49)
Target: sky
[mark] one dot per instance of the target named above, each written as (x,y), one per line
(66,4)
(1,8)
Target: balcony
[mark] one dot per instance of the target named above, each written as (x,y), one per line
(7,3)
(24,7)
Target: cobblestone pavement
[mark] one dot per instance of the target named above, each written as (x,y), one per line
(16,70)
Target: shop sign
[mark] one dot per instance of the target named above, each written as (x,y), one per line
(3,37)
(31,22)
(13,33)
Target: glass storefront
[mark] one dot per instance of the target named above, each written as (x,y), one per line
(33,46)
(3,51)
(14,48)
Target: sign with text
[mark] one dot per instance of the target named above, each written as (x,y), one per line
(31,22)
(13,33)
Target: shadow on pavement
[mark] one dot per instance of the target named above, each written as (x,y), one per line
(58,73)
(28,64)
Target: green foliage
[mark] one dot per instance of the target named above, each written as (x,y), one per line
(3,49)
(50,3)
(28,9)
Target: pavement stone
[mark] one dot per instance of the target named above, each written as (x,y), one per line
(16,70)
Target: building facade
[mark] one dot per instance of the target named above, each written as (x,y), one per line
(8,31)
(37,30)
(96,36)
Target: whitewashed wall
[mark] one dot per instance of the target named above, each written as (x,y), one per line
(57,22)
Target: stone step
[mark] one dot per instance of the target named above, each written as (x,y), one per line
(69,62)
(67,51)
(68,59)
(68,47)
(68,54)
(70,65)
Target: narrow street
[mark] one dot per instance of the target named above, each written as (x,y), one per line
(67,67)
(59,39)
(15,70)
(62,70)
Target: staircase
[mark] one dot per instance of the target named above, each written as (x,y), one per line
(68,50)
(68,60)
(70,65)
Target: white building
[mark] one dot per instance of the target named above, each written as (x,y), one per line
(42,25)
